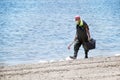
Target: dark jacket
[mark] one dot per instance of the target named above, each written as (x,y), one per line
(81,32)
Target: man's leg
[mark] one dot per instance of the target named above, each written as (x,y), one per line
(86,53)
(76,48)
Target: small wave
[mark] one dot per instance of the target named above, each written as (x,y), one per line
(43,61)
(117,54)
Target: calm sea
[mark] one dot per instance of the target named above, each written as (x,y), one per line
(40,30)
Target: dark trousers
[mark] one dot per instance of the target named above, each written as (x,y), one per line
(77,46)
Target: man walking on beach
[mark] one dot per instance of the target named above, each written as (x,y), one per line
(82,35)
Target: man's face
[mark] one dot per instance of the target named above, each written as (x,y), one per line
(77,21)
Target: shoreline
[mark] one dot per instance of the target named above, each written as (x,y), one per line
(98,68)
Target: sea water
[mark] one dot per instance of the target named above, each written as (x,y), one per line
(40,30)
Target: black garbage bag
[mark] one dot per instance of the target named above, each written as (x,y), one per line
(91,44)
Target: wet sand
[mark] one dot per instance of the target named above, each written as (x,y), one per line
(99,68)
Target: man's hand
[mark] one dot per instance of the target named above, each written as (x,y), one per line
(89,38)
(69,46)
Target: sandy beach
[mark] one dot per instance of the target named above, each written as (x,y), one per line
(99,68)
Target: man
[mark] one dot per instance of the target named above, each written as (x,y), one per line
(82,35)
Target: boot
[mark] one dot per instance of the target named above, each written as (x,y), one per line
(72,57)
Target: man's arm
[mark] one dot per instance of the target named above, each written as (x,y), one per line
(75,38)
(88,33)
(87,30)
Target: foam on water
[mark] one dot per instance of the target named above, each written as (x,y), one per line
(117,54)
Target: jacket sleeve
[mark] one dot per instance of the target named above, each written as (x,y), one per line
(85,25)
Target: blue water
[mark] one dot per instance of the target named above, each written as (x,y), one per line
(40,30)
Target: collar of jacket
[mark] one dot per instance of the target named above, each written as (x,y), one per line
(81,23)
